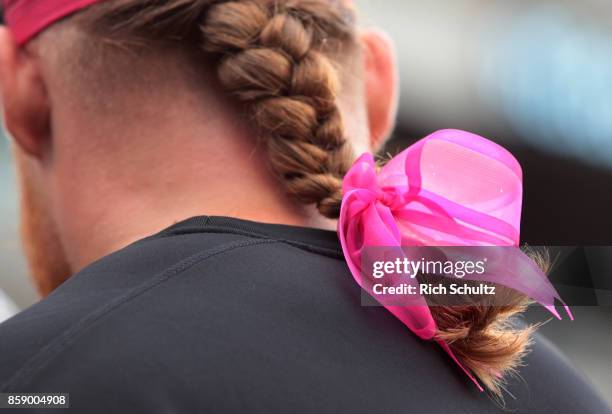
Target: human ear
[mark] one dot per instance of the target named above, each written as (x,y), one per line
(24,98)
(381,85)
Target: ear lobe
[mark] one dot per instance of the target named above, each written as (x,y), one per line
(24,98)
(381,79)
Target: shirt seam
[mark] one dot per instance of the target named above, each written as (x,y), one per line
(47,354)
(330,252)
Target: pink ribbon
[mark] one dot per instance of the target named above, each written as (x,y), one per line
(452,188)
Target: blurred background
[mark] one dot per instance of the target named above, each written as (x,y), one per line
(532,75)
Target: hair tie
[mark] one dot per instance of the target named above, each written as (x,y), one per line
(452,188)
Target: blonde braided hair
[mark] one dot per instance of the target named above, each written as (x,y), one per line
(273,58)
(272,62)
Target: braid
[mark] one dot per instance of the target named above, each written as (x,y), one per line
(270,55)
(272,60)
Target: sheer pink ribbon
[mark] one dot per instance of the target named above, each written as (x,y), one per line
(452,188)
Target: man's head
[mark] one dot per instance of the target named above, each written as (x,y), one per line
(133,109)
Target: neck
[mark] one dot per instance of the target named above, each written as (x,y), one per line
(163,173)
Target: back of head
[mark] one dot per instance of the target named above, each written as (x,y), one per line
(278,60)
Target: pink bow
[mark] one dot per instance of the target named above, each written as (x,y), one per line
(452,188)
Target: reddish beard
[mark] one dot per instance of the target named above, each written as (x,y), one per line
(44,252)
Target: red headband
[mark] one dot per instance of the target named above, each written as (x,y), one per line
(27,18)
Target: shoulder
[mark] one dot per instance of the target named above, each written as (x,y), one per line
(549,383)
(149,276)
(137,316)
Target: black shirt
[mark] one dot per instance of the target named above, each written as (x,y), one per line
(218,315)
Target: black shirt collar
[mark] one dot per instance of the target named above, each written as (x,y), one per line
(303,235)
